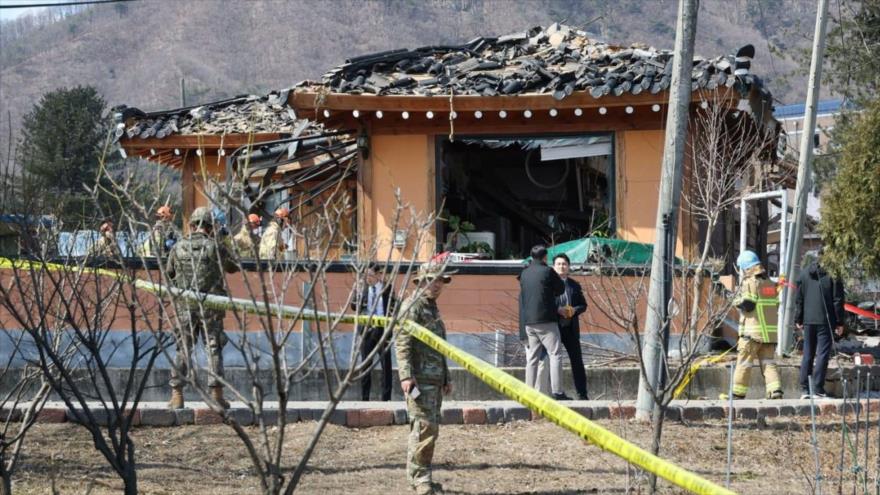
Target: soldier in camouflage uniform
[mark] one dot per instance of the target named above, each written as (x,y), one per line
(424,377)
(163,235)
(106,245)
(197,263)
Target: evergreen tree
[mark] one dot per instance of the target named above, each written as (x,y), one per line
(62,142)
(850,225)
(850,70)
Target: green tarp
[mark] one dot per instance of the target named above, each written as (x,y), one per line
(597,249)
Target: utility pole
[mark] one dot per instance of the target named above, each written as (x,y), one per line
(805,170)
(654,349)
(182,92)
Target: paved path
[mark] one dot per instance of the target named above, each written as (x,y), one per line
(366,414)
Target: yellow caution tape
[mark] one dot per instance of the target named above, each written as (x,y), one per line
(492,376)
(693,371)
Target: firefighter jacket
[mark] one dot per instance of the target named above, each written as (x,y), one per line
(758,303)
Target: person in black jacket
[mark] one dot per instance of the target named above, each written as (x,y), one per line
(377,299)
(819,308)
(538,319)
(570,305)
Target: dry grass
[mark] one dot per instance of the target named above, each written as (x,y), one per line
(523,457)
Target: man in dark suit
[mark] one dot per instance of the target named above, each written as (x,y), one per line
(538,320)
(570,305)
(377,299)
(818,309)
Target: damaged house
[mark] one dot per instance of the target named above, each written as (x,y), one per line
(547,135)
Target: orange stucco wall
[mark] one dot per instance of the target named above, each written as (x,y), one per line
(403,162)
(639,159)
(407,162)
(470,304)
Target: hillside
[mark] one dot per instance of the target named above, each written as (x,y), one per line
(136,53)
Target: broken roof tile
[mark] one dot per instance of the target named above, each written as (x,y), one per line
(532,61)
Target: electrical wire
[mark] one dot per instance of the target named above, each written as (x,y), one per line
(62,4)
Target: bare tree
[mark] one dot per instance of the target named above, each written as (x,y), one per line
(19,405)
(85,318)
(725,146)
(619,293)
(269,327)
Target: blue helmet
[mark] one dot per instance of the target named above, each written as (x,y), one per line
(747,259)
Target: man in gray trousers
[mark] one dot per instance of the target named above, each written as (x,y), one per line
(538,319)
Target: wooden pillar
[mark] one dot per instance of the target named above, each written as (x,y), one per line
(365,211)
(187,188)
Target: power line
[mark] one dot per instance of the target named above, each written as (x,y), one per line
(63,4)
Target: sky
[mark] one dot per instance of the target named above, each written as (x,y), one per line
(12,13)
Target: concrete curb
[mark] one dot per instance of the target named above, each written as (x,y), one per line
(370,414)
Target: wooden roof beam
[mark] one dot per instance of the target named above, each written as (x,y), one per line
(303,101)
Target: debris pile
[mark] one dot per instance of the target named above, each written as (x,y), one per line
(558,60)
(239,115)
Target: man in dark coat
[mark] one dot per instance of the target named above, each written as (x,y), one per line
(376,299)
(538,319)
(819,308)
(570,305)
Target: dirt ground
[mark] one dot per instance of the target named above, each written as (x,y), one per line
(517,458)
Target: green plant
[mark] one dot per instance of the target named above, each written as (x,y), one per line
(456,224)
(477,247)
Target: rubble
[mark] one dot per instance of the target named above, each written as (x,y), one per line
(558,60)
(240,115)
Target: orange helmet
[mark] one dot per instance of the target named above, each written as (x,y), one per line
(164,212)
(282,212)
(253,218)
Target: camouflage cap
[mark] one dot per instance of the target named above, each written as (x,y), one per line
(202,216)
(430,271)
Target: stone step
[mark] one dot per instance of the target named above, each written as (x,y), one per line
(366,414)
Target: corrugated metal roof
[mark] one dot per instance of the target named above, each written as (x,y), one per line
(798,109)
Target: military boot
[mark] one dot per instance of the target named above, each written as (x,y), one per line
(217,395)
(425,489)
(176,401)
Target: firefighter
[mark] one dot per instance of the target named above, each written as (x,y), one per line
(758,302)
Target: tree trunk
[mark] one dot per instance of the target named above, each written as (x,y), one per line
(313,442)
(129,480)
(659,415)
(5,483)
(698,284)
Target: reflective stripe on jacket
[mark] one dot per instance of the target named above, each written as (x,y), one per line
(760,323)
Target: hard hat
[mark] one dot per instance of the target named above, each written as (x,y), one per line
(202,217)
(253,218)
(282,212)
(747,259)
(164,211)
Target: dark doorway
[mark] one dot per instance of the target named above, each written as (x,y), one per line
(513,193)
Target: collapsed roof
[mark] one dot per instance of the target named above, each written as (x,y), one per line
(239,115)
(558,60)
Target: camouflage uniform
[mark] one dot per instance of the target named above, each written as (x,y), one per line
(271,243)
(106,246)
(243,241)
(428,367)
(193,265)
(158,243)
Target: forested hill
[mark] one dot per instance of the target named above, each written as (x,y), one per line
(136,52)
